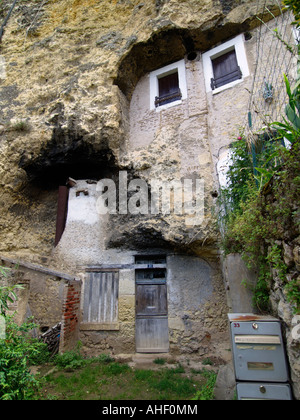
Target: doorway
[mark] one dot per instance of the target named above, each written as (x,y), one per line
(152,331)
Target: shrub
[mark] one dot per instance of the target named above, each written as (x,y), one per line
(73,359)
(17,351)
(69,360)
(259,209)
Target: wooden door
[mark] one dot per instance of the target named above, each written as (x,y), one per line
(152,333)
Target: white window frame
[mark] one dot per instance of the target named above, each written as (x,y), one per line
(179,66)
(2,67)
(296,33)
(236,44)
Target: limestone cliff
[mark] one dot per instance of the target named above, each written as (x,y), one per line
(70,70)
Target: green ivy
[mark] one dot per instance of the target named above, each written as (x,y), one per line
(260,206)
(264,217)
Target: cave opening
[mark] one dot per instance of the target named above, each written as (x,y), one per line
(68,155)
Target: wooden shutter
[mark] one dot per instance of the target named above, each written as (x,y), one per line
(101,292)
(168,88)
(225,69)
(168,84)
(62,211)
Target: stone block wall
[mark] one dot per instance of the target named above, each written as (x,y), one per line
(49,296)
(197,311)
(119,338)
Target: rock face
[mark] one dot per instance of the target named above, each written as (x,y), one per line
(70,72)
(75,101)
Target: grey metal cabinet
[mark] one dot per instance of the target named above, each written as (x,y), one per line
(259,359)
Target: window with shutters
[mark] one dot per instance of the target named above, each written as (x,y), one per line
(225,69)
(168,89)
(225,65)
(168,86)
(100,300)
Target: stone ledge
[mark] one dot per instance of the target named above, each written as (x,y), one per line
(96,326)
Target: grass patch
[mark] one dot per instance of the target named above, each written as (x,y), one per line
(206,392)
(159,361)
(105,379)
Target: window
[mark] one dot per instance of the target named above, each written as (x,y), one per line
(225,70)
(100,300)
(296,32)
(225,65)
(150,260)
(168,86)
(168,89)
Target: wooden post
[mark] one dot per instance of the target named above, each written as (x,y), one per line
(62,211)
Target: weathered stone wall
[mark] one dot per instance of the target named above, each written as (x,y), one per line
(49,297)
(197,310)
(70,71)
(197,307)
(284,309)
(122,340)
(46,299)
(73,76)
(41,295)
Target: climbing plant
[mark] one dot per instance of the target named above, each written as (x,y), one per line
(261,204)
(295,6)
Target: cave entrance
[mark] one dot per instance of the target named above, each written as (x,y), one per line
(63,160)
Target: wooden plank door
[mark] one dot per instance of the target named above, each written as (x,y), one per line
(152,333)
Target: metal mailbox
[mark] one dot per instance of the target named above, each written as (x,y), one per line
(259,359)
(263,391)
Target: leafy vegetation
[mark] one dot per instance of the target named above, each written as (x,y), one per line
(74,360)
(206,392)
(75,377)
(18,350)
(7,294)
(295,6)
(102,378)
(261,203)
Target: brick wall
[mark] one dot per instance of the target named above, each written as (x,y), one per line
(70,315)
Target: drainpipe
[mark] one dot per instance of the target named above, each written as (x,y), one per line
(6,19)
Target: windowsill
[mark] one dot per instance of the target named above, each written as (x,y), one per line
(227,86)
(169,105)
(99,326)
